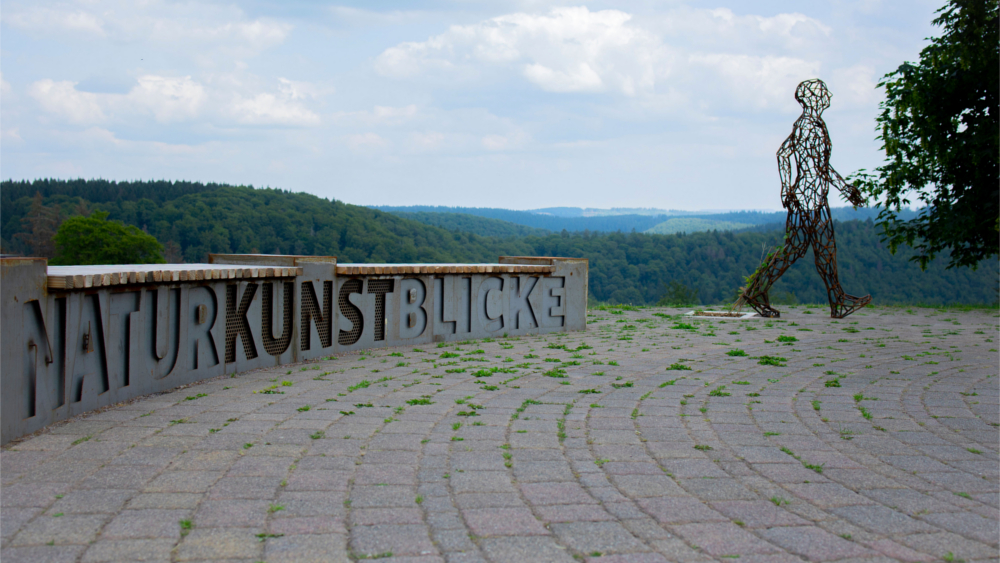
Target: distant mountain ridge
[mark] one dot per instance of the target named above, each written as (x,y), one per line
(557,219)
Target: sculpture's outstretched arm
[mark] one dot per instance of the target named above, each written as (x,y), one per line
(849,190)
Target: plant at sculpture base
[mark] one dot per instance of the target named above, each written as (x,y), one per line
(95,240)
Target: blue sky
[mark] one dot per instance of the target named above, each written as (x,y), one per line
(522,104)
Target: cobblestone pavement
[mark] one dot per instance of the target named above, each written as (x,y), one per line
(651,437)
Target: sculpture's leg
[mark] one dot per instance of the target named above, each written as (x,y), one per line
(796,244)
(825,249)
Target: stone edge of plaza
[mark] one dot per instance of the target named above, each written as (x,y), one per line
(78,338)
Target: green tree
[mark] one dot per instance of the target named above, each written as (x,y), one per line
(95,240)
(39,226)
(939,128)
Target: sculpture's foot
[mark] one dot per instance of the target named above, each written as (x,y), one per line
(762,306)
(847,305)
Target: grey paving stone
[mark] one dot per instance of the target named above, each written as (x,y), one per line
(881,520)
(717,489)
(967,524)
(375,516)
(757,513)
(183,482)
(42,554)
(220,543)
(232,513)
(149,523)
(130,477)
(69,529)
(165,501)
(908,500)
(383,497)
(603,537)
(678,510)
(485,522)
(307,547)
(37,495)
(94,501)
(640,486)
(576,513)
(939,544)
(244,487)
(307,525)
(482,482)
(107,551)
(721,539)
(813,543)
(406,539)
(453,540)
(12,519)
(556,493)
(524,550)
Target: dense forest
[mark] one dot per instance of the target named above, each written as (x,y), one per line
(193,219)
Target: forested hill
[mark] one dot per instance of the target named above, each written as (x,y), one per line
(199,219)
(195,219)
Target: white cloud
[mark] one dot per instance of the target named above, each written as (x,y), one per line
(100,139)
(358,17)
(178,99)
(567,50)
(167,98)
(4,85)
(378,116)
(791,31)
(366,141)
(758,82)
(428,141)
(271,110)
(61,19)
(62,99)
(206,32)
(583,78)
(297,90)
(855,85)
(495,142)
(576,50)
(386,112)
(11,135)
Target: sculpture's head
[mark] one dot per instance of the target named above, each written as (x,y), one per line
(813,95)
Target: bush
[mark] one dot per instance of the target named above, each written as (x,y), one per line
(95,240)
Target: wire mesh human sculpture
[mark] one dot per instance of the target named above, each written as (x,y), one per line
(806,177)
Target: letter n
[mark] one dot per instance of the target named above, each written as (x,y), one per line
(323,318)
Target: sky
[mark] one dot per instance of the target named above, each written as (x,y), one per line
(514,104)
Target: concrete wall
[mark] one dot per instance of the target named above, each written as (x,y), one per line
(66,352)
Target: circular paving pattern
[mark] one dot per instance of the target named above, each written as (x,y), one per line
(652,437)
